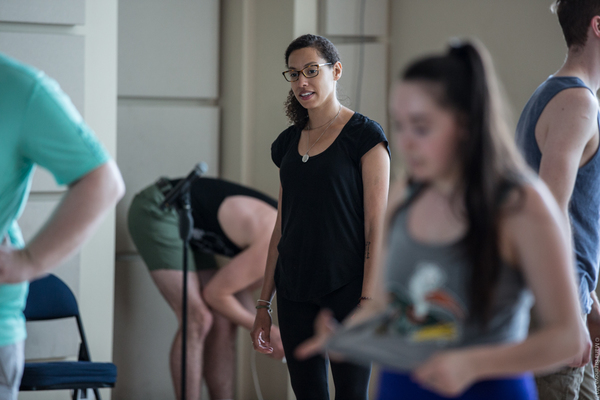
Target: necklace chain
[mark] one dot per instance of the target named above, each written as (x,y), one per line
(308,127)
(305,157)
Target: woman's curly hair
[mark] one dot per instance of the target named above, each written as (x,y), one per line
(297,114)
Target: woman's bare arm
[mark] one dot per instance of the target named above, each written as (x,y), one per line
(261,331)
(376,178)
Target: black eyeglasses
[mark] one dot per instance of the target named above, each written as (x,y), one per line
(291,75)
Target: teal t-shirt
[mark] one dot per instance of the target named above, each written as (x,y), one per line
(38,126)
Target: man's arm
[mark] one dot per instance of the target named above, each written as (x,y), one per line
(566,127)
(80,212)
(563,132)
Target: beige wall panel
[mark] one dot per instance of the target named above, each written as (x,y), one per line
(342,17)
(373,102)
(274,32)
(524,37)
(98,254)
(60,56)
(143,333)
(156,141)
(53,395)
(63,12)
(168,48)
(43,181)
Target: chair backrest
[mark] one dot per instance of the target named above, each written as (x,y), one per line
(50,298)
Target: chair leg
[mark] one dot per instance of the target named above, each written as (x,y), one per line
(97,394)
(75,394)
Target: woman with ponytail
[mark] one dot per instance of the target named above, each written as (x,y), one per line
(473,237)
(334,174)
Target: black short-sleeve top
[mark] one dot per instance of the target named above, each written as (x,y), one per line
(206,197)
(322,245)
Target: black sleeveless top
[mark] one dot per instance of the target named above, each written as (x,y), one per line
(322,244)
(206,196)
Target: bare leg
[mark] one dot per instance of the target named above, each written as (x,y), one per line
(170,284)
(219,355)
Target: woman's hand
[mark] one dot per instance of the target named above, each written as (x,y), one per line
(448,373)
(583,358)
(276,344)
(593,325)
(261,332)
(325,327)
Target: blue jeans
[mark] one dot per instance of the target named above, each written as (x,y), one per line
(398,386)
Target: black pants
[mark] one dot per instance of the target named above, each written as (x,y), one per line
(309,377)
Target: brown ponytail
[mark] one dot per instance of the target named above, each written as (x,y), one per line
(491,164)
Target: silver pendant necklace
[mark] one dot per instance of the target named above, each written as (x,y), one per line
(305,157)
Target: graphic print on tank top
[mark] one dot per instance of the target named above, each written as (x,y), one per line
(425,311)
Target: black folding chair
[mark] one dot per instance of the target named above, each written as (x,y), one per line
(50,298)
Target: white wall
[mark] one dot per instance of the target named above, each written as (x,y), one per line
(524,38)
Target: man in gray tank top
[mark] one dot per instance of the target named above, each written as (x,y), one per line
(558,135)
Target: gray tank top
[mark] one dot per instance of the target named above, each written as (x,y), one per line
(430,284)
(430,306)
(584,206)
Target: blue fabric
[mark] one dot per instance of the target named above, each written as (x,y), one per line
(396,386)
(50,298)
(65,373)
(584,208)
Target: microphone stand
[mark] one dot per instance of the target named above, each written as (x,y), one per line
(179,199)
(186,224)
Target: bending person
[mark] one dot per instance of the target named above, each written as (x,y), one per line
(473,233)
(40,126)
(229,220)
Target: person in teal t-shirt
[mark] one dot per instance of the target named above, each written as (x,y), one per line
(39,125)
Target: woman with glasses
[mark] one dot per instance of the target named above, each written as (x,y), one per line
(334,174)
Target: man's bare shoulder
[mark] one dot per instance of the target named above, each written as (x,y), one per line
(571,104)
(572,114)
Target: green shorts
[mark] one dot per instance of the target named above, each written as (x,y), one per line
(156,235)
